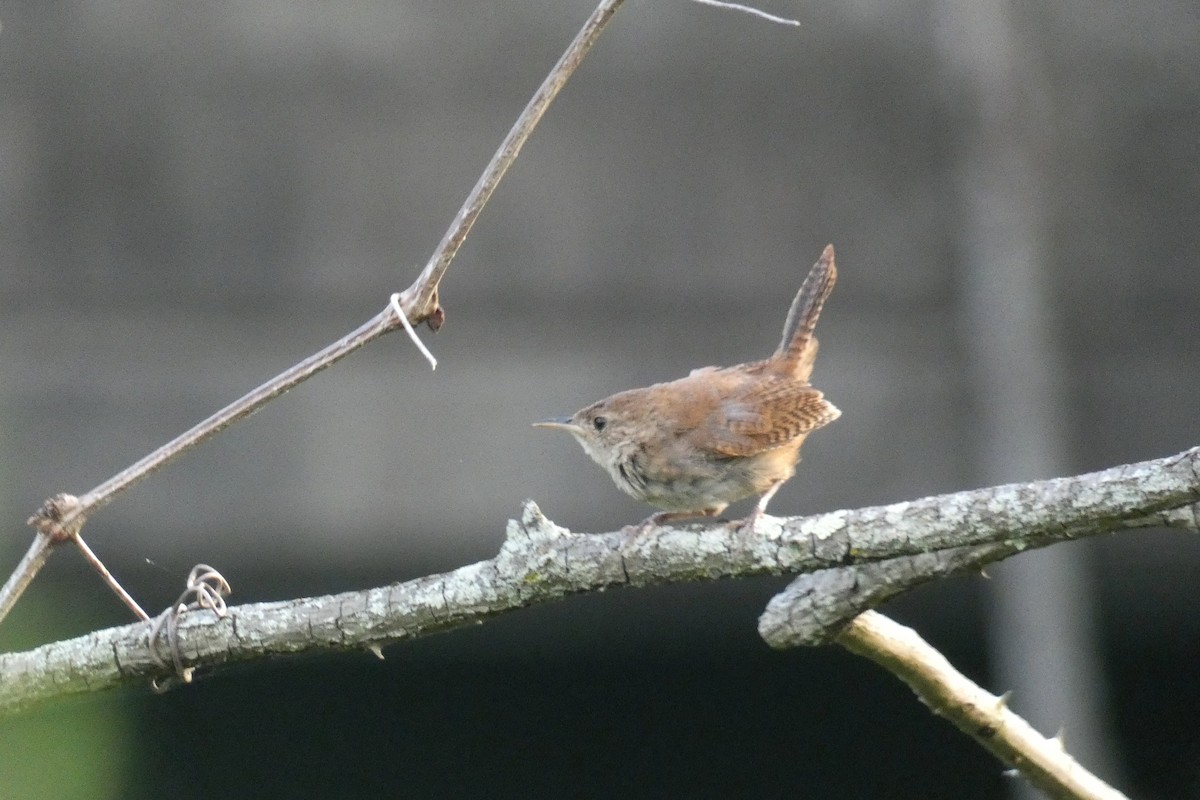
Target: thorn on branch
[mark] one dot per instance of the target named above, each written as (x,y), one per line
(532,516)
(436,319)
(532,526)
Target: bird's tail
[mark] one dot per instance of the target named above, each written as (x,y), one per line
(798,348)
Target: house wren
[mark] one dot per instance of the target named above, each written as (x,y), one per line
(694,445)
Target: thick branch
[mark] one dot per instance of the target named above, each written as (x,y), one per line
(814,607)
(540,562)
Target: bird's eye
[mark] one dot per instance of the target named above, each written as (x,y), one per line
(599,423)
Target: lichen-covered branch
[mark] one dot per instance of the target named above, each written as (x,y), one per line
(812,609)
(540,561)
(815,607)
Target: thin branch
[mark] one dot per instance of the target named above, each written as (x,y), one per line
(108,578)
(423,293)
(81,507)
(748,10)
(540,562)
(408,328)
(977,713)
(28,568)
(55,522)
(241,408)
(418,303)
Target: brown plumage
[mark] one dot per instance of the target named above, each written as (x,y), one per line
(694,445)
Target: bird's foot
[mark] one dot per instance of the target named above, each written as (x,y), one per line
(659,517)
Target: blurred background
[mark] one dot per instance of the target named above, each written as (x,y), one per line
(194,196)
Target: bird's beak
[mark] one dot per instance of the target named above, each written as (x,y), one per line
(559,423)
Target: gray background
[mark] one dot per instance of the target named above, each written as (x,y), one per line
(194,196)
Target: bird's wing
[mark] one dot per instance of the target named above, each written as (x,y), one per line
(769,414)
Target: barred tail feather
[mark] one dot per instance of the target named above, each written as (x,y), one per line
(798,348)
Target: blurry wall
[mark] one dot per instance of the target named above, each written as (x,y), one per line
(194,196)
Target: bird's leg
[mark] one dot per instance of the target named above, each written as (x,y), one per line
(760,508)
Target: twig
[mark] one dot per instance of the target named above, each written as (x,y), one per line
(28,568)
(422,294)
(108,578)
(748,10)
(412,334)
(55,522)
(979,714)
(76,515)
(418,303)
(541,562)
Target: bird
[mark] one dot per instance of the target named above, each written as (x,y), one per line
(692,446)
